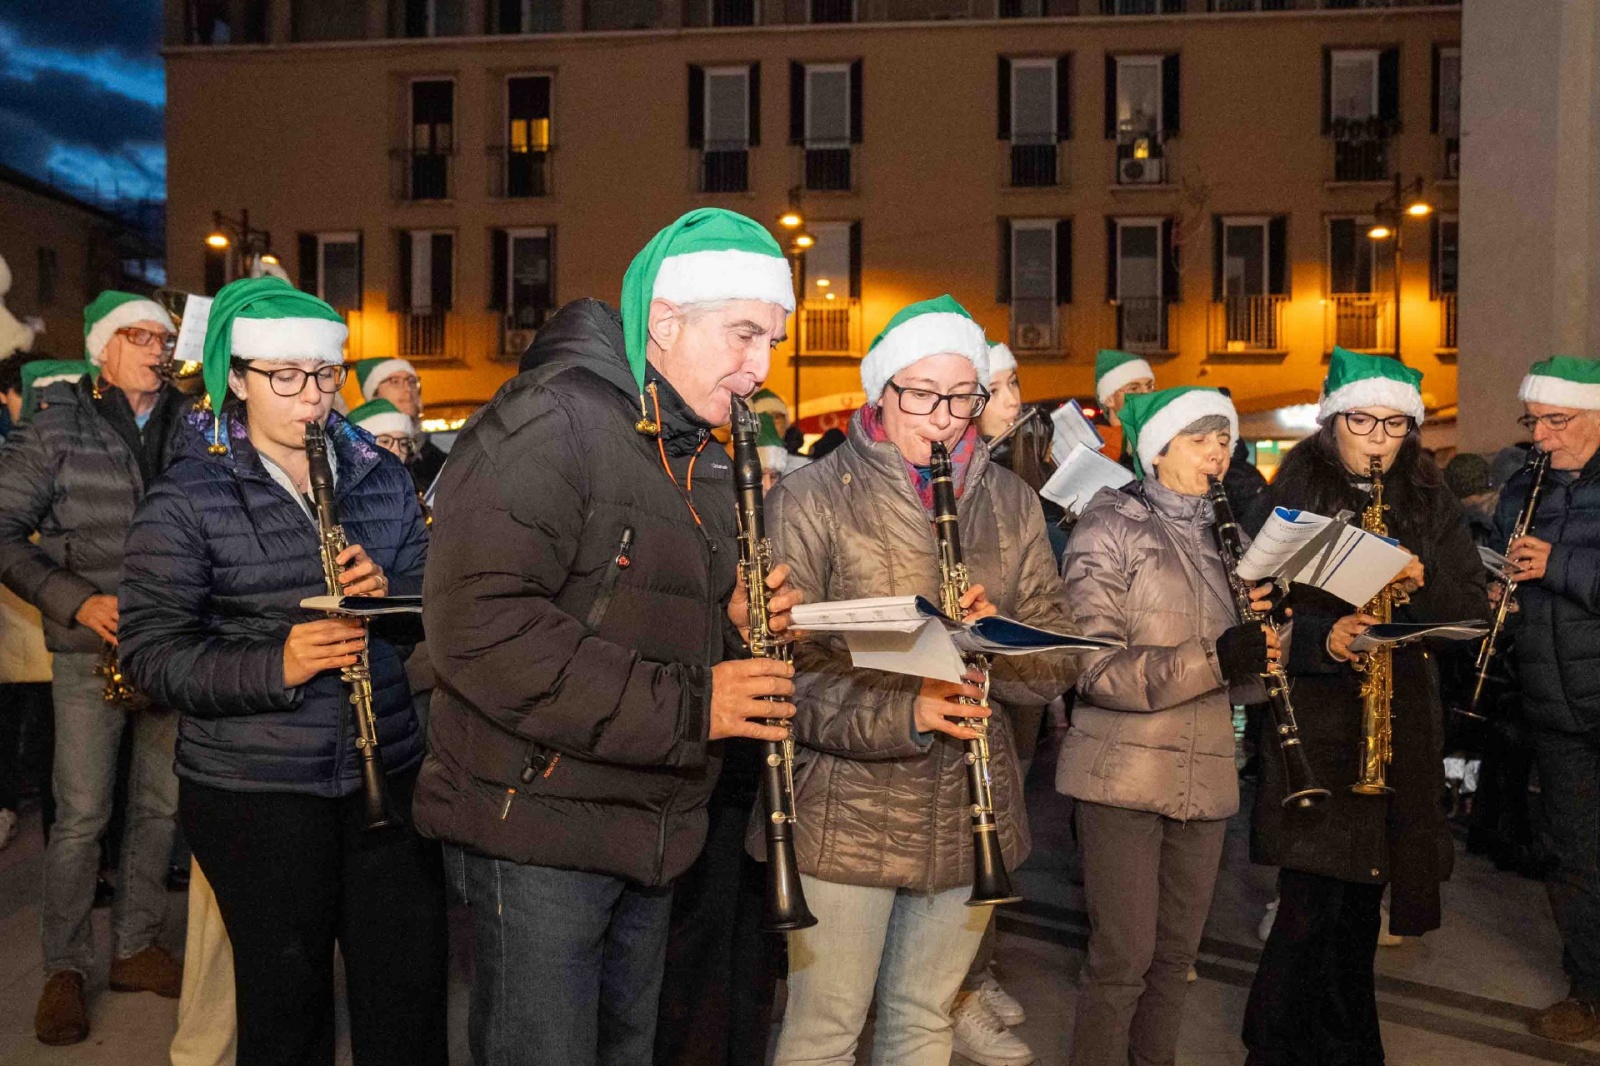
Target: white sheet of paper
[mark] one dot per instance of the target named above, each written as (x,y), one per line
(1496,563)
(926,651)
(874,612)
(1071,427)
(1083,473)
(1472,630)
(1353,565)
(192,334)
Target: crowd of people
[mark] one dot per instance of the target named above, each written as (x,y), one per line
(572,753)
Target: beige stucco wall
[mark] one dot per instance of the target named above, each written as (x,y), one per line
(29,222)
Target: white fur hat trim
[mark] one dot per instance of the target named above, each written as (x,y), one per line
(1559,392)
(121,317)
(1183,411)
(730,274)
(935,333)
(1120,375)
(1373,392)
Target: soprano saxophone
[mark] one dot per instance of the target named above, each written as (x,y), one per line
(1377,668)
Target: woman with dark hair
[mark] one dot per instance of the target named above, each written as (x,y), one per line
(1313,1001)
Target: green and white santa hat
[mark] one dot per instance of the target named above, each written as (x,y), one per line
(1151,419)
(111,311)
(1563,381)
(1355,381)
(930,327)
(40,374)
(767,402)
(370,373)
(774,456)
(380,416)
(1001,359)
(265,318)
(1114,369)
(707,255)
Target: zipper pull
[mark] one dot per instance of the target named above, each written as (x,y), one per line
(505,808)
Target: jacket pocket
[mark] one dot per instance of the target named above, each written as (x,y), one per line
(608,580)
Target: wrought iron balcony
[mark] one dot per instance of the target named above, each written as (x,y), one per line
(1447,322)
(1033,162)
(421,175)
(1361,149)
(429,334)
(1362,322)
(1247,324)
(518,328)
(518,174)
(828,169)
(1142,324)
(724,167)
(830,327)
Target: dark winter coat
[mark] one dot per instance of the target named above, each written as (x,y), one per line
(1401,838)
(1557,631)
(74,474)
(576,605)
(219,557)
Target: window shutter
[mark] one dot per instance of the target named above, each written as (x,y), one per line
(1219,234)
(361,271)
(1433,96)
(1064,98)
(855,260)
(1171,282)
(308,263)
(1278,255)
(697,107)
(1389,85)
(403,301)
(1171,97)
(510,16)
(1433,256)
(1111,97)
(754,83)
(442,288)
(856,70)
(1064,261)
(1327,92)
(797,103)
(1111,260)
(1003,98)
(1002,287)
(499,268)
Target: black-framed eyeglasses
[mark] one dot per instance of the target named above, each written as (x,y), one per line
(1553,422)
(402,444)
(926,401)
(291,380)
(1362,424)
(143,338)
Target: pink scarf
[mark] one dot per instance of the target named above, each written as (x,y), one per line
(921,476)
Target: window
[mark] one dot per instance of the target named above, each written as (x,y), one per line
(825,118)
(1036,276)
(1446,255)
(1142,110)
(425,18)
(1249,282)
(522,283)
(527,16)
(427,291)
(724,123)
(1361,109)
(331,268)
(1035,114)
(733,12)
(1447,106)
(1352,262)
(1354,85)
(527,135)
(1142,280)
(833,10)
(226,21)
(830,288)
(48,275)
(1357,296)
(317,20)
(432,139)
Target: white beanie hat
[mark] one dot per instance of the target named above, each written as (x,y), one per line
(931,327)
(1001,359)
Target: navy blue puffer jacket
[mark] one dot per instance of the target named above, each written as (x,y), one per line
(218,559)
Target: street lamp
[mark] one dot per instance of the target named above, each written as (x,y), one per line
(1390,215)
(228,232)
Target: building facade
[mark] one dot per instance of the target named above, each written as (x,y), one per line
(1192,179)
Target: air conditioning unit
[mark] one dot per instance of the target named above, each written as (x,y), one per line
(1033,337)
(517,341)
(1150,171)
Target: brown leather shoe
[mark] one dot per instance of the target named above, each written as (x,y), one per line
(151,970)
(63,1014)
(1571,1021)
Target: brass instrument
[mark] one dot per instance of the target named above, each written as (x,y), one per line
(1539,463)
(990,882)
(119,693)
(1377,666)
(358,677)
(785,900)
(1028,414)
(1303,790)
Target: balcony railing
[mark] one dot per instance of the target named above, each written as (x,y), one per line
(1362,322)
(1143,159)
(518,328)
(1033,162)
(724,167)
(1447,322)
(733,12)
(1142,324)
(516,175)
(1361,149)
(1250,5)
(828,169)
(1247,324)
(421,175)
(432,334)
(1141,7)
(830,327)
(1035,326)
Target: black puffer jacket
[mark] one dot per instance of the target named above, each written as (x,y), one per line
(74,474)
(1400,838)
(219,558)
(575,606)
(1557,641)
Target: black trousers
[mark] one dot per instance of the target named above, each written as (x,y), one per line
(722,967)
(1313,1002)
(27,746)
(294,875)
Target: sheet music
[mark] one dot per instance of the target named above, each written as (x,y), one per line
(1312,549)
(1397,633)
(1083,473)
(1072,426)
(192,333)
(364,606)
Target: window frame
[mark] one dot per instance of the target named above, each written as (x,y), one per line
(1051,63)
(455,252)
(411,111)
(1264,224)
(505,105)
(807,141)
(1375,57)
(743,71)
(1143,59)
(338,237)
(510,235)
(1442,53)
(1154,224)
(1362,223)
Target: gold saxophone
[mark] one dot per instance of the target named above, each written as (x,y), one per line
(119,693)
(1377,668)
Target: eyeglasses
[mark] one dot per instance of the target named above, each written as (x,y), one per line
(403,445)
(925,402)
(410,381)
(1556,422)
(1362,424)
(143,338)
(291,380)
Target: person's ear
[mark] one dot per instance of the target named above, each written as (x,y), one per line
(238,385)
(665,324)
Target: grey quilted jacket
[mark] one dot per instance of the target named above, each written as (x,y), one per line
(879,804)
(1153,726)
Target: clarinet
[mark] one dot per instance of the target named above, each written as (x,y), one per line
(1539,463)
(990,883)
(785,901)
(1303,790)
(358,677)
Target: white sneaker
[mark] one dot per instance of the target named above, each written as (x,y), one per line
(1003,1003)
(1387,939)
(8,827)
(981,1036)
(1264,930)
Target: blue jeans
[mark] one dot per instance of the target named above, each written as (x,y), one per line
(87,736)
(910,950)
(1569,781)
(566,965)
